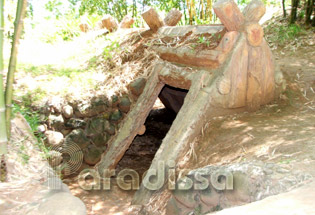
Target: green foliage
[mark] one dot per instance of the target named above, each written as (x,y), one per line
(33,119)
(110,49)
(203,40)
(284,33)
(116,8)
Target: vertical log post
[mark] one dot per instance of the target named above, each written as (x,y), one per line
(126,22)
(110,23)
(173,17)
(229,14)
(152,18)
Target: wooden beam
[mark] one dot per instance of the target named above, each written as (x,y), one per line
(173,17)
(110,23)
(152,18)
(229,14)
(132,124)
(254,11)
(126,22)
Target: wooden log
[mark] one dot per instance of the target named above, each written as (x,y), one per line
(179,31)
(84,27)
(268,74)
(132,124)
(126,22)
(229,14)
(254,11)
(176,76)
(255,34)
(152,18)
(204,58)
(232,83)
(110,23)
(254,76)
(186,126)
(173,17)
(187,56)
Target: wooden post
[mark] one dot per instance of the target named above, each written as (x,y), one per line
(173,17)
(254,11)
(84,27)
(229,14)
(133,124)
(126,22)
(152,18)
(110,23)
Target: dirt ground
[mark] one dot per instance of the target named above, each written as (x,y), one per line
(282,132)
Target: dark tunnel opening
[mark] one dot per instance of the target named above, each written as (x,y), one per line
(143,148)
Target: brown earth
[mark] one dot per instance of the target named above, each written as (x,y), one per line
(282,132)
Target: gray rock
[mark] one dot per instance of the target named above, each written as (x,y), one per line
(54,138)
(100,140)
(100,105)
(93,155)
(75,123)
(54,158)
(109,128)
(55,104)
(116,115)
(41,128)
(136,87)
(62,204)
(56,122)
(78,137)
(67,111)
(95,126)
(115,101)
(124,104)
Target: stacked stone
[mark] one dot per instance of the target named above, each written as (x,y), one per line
(89,125)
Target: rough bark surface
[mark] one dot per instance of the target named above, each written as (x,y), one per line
(173,17)
(133,123)
(235,76)
(152,18)
(254,11)
(126,22)
(229,14)
(110,23)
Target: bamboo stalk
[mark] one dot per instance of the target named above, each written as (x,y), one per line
(3,134)
(18,27)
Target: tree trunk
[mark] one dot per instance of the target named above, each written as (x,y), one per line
(295,4)
(283,8)
(309,11)
(3,132)
(18,27)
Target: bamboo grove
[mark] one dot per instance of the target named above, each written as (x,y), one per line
(6,93)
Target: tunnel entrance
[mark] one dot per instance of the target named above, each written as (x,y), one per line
(143,148)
